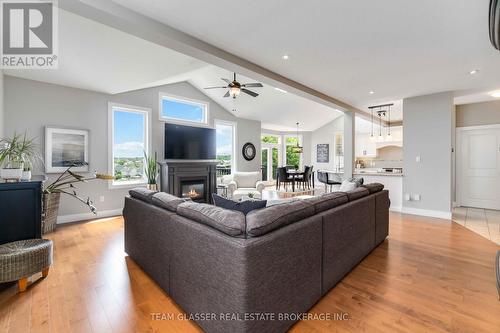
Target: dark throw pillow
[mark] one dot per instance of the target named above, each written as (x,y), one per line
(244,206)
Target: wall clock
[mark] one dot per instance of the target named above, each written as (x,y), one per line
(249,151)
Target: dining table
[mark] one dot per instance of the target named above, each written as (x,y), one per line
(295,174)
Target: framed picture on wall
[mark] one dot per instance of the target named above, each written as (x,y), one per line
(323,153)
(64,147)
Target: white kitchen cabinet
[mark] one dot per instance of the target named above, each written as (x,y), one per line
(365,147)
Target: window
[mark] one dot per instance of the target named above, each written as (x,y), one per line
(291,157)
(271,155)
(182,110)
(225,138)
(128,136)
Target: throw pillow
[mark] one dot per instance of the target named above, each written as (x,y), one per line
(244,206)
(347,185)
(358,181)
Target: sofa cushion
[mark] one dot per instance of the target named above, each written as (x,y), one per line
(142,194)
(241,206)
(357,193)
(246,179)
(227,221)
(374,187)
(168,201)
(327,201)
(262,221)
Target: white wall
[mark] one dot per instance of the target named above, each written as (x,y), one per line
(2,121)
(476,114)
(428,126)
(31,105)
(322,135)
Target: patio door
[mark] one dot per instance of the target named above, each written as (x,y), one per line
(270,162)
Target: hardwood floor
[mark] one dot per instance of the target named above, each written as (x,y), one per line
(429,276)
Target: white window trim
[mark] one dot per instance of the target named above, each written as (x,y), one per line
(185,100)
(301,157)
(234,163)
(147,124)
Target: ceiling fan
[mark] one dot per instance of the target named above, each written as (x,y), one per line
(235,88)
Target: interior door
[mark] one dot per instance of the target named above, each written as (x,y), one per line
(478,167)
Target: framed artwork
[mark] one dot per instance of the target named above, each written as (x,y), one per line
(323,153)
(63,147)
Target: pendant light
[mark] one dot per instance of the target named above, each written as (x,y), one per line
(298,149)
(389,136)
(372,138)
(380,137)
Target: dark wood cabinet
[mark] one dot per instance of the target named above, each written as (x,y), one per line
(21,210)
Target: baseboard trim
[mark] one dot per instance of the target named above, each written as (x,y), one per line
(88,216)
(425,212)
(396,209)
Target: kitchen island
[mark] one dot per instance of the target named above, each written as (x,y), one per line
(392,181)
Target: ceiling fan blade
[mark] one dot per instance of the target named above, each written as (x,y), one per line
(227,94)
(225,80)
(215,88)
(251,93)
(256,85)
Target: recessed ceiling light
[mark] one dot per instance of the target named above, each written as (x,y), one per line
(285,57)
(495,94)
(371,92)
(281,90)
(474,71)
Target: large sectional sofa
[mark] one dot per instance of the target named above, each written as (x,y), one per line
(248,272)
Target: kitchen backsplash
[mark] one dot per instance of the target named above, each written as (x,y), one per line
(387,157)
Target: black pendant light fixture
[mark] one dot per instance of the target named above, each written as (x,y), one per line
(298,149)
(383,110)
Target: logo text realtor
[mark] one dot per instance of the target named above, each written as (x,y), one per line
(29,34)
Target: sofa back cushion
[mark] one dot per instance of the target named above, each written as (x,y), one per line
(327,201)
(142,194)
(262,221)
(167,201)
(246,179)
(374,187)
(227,221)
(357,193)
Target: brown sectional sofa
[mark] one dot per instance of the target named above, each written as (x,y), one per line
(277,260)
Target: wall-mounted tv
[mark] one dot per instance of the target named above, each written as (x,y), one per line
(189,143)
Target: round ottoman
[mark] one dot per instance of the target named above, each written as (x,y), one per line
(21,259)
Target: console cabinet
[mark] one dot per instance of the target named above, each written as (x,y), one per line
(21,210)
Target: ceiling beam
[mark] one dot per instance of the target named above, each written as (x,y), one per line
(116,16)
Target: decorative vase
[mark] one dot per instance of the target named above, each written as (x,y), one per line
(152,187)
(26,175)
(50,211)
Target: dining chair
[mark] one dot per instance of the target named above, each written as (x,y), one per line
(304,179)
(283,177)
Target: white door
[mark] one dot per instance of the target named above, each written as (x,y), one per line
(478,166)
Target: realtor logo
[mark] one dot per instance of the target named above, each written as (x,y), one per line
(29,34)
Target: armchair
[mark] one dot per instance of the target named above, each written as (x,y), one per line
(241,184)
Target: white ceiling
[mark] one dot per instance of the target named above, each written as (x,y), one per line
(107,60)
(96,57)
(347,48)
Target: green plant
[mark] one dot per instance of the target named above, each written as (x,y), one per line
(66,181)
(19,151)
(151,168)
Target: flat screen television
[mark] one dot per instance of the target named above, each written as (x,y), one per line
(189,143)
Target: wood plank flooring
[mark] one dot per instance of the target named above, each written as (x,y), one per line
(430,276)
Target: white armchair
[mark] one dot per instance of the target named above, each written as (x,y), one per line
(241,184)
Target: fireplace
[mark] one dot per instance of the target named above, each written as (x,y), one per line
(189,179)
(193,189)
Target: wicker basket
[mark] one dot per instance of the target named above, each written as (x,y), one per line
(50,210)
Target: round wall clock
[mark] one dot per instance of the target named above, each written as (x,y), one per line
(249,151)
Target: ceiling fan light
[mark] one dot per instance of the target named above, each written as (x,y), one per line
(234,91)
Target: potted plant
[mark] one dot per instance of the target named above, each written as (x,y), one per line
(30,155)
(11,161)
(65,184)
(151,171)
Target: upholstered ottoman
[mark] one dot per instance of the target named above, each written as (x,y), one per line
(21,259)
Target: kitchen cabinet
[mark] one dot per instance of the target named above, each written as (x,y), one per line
(365,147)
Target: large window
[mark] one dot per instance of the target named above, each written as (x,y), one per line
(225,138)
(183,110)
(291,157)
(271,155)
(128,134)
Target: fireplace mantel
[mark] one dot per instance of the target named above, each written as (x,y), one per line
(174,172)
